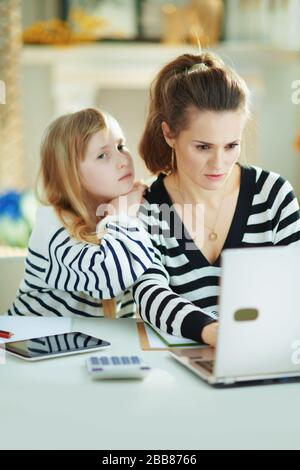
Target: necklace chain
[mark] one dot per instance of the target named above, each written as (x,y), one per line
(212,235)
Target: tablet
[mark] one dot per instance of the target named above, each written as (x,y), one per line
(55,346)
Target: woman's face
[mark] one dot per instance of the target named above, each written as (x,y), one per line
(208,149)
(106,162)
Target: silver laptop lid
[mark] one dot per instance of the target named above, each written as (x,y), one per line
(259,327)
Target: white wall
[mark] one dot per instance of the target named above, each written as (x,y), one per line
(36,10)
(117,78)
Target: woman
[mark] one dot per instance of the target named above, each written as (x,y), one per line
(198,111)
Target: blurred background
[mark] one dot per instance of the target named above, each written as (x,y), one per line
(58,56)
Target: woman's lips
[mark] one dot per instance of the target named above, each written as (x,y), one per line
(215,177)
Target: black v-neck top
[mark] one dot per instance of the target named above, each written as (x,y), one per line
(237,228)
(179,293)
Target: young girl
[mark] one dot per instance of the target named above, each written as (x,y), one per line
(68,271)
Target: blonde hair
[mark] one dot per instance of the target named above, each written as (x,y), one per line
(63,147)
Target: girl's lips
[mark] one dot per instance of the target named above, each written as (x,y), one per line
(125,176)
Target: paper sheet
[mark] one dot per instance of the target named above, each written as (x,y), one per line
(155,339)
(29,327)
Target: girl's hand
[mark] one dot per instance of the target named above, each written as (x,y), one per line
(209,334)
(131,202)
(128,204)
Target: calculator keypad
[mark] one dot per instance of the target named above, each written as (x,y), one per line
(110,367)
(115,360)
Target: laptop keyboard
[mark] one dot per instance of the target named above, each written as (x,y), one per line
(207,365)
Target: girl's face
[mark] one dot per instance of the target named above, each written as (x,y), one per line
(107,169)
(210,146)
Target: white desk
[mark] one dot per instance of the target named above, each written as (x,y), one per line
(54,405)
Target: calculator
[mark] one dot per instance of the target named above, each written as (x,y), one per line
(117,367)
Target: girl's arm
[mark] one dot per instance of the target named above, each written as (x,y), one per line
(102,271)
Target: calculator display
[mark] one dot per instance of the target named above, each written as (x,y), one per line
(56,344)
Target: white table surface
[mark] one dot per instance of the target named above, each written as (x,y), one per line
(54,404)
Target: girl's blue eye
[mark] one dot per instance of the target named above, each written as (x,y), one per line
(121,147)
(100,157)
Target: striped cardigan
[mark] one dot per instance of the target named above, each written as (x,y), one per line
(65,277)
(179,293)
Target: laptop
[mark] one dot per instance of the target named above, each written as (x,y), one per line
(259,320)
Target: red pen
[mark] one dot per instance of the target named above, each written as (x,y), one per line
(5,334)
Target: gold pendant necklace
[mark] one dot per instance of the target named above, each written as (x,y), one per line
(212,236)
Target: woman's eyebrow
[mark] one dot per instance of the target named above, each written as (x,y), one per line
(208,143)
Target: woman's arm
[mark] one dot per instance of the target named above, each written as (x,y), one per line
(286,218)
(160,306)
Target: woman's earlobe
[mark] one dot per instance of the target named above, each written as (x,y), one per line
(165,129)
(166,133)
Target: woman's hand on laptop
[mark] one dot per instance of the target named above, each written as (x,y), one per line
(209,334)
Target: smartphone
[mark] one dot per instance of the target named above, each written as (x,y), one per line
(55,346)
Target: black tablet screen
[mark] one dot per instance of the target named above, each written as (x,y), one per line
(50,345)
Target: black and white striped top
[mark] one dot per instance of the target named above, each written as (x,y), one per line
(179,293)
(65,277)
